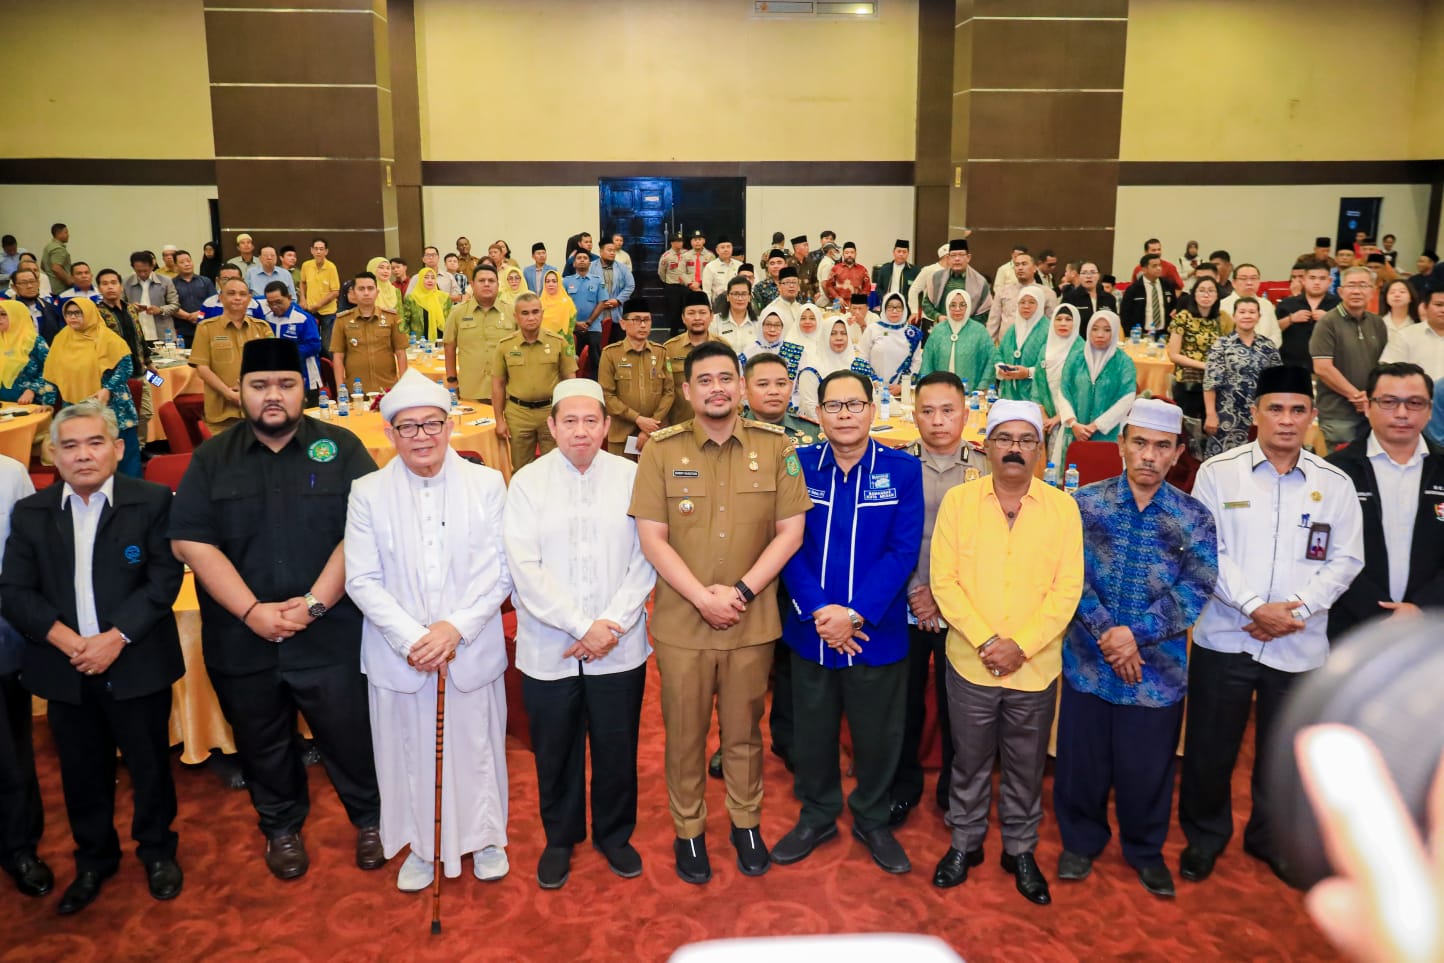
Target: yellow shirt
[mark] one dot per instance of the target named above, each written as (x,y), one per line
(1021,583)
(318,283)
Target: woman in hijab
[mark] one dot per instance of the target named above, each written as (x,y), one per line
(769,340)
(512,285)
(1098,384)
(892,346)
(559,312)
(387,297)
(835,354)
(1048,385)
(807,331)
(1020,355)
(23,353)
(88,360)
(423,313)
(210,261)
(961,345)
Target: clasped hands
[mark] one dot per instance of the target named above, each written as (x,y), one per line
(601,638)
(1002,656)
(1273,620)
(93,654)
(432,651)
(1120,650)
(721,606)
(278,621)
(835,628)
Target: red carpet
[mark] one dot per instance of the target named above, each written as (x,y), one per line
(232,909)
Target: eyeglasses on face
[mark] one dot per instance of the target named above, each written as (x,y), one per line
(1026,443)
(408,429)
(1390,403)
(855,405)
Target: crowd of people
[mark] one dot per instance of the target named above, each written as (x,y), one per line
(730,477)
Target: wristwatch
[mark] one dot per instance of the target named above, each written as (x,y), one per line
(123,637)
(747,594)
(855,619)
(314,606)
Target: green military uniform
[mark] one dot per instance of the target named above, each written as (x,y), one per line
(367,347)
(677,350)
(720,504)
(476,332)
(799,430)
(529,370)
(635,384)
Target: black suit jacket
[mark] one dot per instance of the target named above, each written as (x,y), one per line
(1133,309)
(136,580)
(1425,586)
(1077,296)
(882,277)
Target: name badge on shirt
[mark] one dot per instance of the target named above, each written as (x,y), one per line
(1318,548)
(1242,504)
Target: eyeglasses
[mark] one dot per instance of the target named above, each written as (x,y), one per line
(1026,443)
(1357,285)
(408,429)
(1388,403)
(855,406)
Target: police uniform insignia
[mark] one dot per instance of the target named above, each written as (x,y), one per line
(322,450)
(972,474)
(686,507)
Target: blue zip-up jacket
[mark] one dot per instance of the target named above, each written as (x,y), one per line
(623,284)
(859,549)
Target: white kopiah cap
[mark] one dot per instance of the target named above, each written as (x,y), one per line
(1006,410)
(414,390)
(1156,414)
(577,388)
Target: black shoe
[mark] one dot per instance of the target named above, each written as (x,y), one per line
(900,810)
(1074,866)
(310,755)
(286,856)
(32,876)
(164,876)
(1276,867)
(1157,880)
(799,843)
(1196,865)
(554,867)
(751,851)
(227,769)
(952,869)
(81,893)
(1029,877)
(692,863)
(886,851)
(714,765)
(624,860)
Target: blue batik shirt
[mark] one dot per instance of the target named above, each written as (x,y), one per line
(1151,570)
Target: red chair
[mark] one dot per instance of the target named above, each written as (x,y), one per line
(43,476)
(328,376)
(175,430)
(192,408)
(137,389)
(473,457)
(1096,460)
(167,469)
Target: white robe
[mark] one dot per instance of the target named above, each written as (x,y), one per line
(420,551)
(886,348)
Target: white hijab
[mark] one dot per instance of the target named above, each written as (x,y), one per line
(1025,324)
(1058,346)
(1097,359)
(822,359)
(817,340)
(954,295)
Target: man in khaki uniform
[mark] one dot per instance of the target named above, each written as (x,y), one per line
(697,329)
(674,285)
(695,261)
(474,328)
(216,353)
(635,380)
(720,508)
(527,366)
(367,342)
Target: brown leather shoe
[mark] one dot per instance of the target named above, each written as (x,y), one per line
(286,856)
(369,854)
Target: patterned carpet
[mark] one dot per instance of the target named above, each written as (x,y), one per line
(232,909)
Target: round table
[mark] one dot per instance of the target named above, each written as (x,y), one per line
(18,431)
(475,431)
(1154,369)
(180,378)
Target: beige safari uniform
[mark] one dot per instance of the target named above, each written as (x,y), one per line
(677,350)
(529,370)
(218,346)
(476,332)
(635,384)
(720,503)
(694,263)
(368,347)
(669,267)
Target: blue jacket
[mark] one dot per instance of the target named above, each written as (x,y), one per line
(585,293)
(533,276)
(860,547)
(623,284)
(300,326)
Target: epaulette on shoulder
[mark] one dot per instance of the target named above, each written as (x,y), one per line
(670,431)
(763,426)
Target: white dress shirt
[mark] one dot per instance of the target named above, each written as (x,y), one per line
(575,558)
(1398,487)
(895,277)
(739,336)
(1418,343)
(716,275)
(85,517)
(1264,521)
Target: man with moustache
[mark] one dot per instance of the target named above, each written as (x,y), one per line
(636,383)
(696,330)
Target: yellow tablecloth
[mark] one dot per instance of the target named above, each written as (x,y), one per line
(179,379)
(1154,370)
(17,434)
(466,436)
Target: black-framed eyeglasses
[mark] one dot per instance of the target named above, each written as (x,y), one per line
(1390,403)
(855,405)
(408,429)
(1026,443)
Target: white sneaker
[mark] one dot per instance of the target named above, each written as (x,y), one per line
(416,874)
(490,864)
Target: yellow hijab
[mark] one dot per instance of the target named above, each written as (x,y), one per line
(79,356)
(435,302)
(16,343)
(387,297)
(504,290)
(558,311)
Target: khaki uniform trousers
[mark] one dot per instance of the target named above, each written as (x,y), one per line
(528,428)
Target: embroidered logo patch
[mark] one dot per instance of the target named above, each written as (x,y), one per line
(322,451)
(132,554)
(883,480)
(794,467)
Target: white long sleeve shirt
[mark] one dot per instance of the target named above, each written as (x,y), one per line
(86,523)
(574,558)
(1264,526)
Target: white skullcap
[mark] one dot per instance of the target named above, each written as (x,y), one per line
(414,390)
(1156,414)
(243,237)
(168,247)
(1006,410)
(943,251)
(577,388)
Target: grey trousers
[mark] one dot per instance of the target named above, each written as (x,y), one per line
(989,721)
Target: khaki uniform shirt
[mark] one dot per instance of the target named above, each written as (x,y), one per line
(941,474)
(476,332)
(533,368)
(218,346)
(635,384)
(669,268)
(721,504)
(693,265)
(368,347)
(677,350)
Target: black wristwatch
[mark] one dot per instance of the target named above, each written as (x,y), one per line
(742,589)
(314,606)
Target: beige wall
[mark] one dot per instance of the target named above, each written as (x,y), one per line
(664,80)
(75,92)
(1324,80)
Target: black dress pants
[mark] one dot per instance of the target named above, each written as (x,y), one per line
(261,709)
(924,648)
(86,737)
(566,715)
(22,816)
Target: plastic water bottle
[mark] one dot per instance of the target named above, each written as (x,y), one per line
(1070,480)
(965,386)
(455,402)
(358,393)
(170,344)
(907,390)
(884,410)
(343,401)
(426,348)
(1050,475)
(975,402)
(992,395)
(180,342)
(325,404)
(1136,335)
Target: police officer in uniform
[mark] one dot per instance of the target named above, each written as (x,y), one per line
(674,283)
(216,353)
(367,342)
(695,261)
(636,382)
(474,328)
(260,516)
(527,366)
(719,504)
(697,329)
